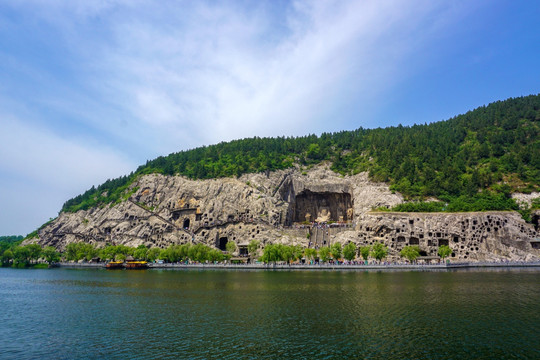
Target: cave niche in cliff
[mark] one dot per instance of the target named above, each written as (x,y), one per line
(222,243)
(322,207)
(536,220)
(443,242)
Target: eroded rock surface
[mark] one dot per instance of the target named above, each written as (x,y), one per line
(481,236)
(271,208)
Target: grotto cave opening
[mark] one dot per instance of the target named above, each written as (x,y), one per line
(322,207)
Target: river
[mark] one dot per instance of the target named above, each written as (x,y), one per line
(226,314)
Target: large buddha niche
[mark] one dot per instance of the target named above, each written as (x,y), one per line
(322,207)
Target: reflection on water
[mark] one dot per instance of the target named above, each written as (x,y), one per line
(79,314)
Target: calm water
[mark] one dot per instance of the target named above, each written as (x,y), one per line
(80,314)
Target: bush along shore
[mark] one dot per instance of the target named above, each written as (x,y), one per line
(272,256)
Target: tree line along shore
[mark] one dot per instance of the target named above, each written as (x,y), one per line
(32,255)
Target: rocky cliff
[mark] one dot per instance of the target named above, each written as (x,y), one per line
(276,207)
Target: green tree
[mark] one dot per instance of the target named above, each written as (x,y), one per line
(34,252)
(7,257)
(153,253)
(444,251)
(365,251)
(271,253)
(87,252)
(324,253)
(310,253)
(349,251)
(107,253)
(314,152)
(71,252)
(253,246)
(171,253)
(411,252)
(183,251)
(379,251)
(50,254)
(231,247)
(197,252)
(164,255)
(336,251)
(11,238)
(215,255)
(287,252)
(21,255)
(297,252)
(141,253)
(80,250)
(122,252)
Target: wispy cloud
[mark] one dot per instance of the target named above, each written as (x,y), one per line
(36,153)
(190,73)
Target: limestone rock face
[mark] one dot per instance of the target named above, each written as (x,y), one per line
(279,207)
(525,200)
(484,236)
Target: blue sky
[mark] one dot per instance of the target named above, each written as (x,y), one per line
(89,90)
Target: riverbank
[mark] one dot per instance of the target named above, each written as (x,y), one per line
(321,267)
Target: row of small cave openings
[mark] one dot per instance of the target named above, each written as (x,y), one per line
(205,220)
(416,241)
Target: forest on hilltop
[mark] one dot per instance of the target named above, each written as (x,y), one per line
(470,162)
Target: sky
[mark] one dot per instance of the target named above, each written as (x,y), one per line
(91,89)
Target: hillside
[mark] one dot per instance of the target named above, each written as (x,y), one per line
(472,161)
(306,208)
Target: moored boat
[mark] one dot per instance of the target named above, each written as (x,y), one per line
(136,265)
(132,264)
(112,265)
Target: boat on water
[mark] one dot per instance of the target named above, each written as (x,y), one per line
(129,264)
(136,265)
(112,265)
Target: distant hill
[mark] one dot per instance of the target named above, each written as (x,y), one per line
(7,242)
(11,238)
(472,161)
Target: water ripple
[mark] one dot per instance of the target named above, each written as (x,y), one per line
(74,314)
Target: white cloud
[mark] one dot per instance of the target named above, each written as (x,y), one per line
(41,170)
(37,153)
(207,73)
(183,74)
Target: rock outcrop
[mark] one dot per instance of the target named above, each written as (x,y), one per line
(280,207)
(481,236)
(525,200)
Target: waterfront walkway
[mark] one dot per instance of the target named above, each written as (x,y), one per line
(325,267)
